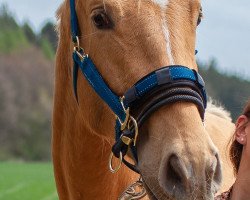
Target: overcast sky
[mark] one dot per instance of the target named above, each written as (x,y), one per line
(223,34)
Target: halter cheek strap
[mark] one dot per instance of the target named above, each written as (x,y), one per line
(74,21)
(164,86)
(98,84)
(82,61)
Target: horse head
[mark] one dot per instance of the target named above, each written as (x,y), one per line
(127,40)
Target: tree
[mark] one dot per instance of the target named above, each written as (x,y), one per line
(48,32)
(28,31)
(7,20)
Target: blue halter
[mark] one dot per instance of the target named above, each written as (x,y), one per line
(168,84)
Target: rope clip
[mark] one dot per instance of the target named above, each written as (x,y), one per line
(79,50)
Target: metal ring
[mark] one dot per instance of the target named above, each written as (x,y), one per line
(125,123)
(81,56)
(136,129)
(114,170)
(79,50)
(77,44)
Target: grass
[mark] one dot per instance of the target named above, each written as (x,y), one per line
(27,181)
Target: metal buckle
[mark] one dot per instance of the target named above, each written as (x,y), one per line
(114,170)
(136,128)
(125,123)
(126,140)
(79,50)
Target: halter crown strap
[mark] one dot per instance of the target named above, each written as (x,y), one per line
(74,21)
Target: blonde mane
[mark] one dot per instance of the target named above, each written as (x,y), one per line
(218,110)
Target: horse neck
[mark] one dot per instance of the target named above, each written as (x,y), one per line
(80,152)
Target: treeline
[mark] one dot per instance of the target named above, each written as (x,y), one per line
(26,83)
(230,91)
(14,37)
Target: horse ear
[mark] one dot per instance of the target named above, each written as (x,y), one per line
(240,134)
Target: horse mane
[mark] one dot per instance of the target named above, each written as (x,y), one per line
(215,108)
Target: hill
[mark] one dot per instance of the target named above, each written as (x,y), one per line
(26,82)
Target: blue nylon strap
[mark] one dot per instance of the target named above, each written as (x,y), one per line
(74,21)
(118,131)
(91,73)
(98,84)
(146,84)
(180,72)
(172,73)
(201,83)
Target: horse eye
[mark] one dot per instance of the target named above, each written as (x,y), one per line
(102,21)
(200,17)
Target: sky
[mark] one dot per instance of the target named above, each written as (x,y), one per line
(224,33)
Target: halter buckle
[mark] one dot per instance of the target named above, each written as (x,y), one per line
(79,50)
(126,140)
(125,123)
(136,129)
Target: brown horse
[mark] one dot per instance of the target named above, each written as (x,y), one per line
(128,39)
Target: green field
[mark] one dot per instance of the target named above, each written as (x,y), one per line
(27,181)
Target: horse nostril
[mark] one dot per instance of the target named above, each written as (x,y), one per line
(177,176)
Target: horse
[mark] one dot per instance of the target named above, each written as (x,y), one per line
(179,156)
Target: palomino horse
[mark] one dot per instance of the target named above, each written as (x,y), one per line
(128,39)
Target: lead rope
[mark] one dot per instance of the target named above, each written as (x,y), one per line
(135,191)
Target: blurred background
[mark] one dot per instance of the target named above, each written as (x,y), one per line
(27,54)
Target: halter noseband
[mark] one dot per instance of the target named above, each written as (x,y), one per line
(162,87)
